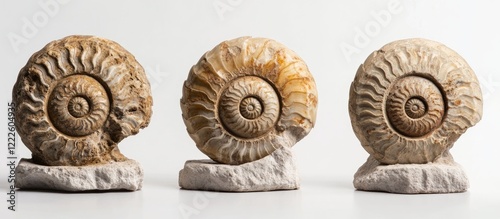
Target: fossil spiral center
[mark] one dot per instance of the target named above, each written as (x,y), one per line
(248,107)
(414,106)
(78,107)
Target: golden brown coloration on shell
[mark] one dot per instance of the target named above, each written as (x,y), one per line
(77,98)
(411,100)
(247,97)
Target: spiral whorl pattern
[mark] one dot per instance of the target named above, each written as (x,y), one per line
(415,106)
(78,105)
(77,98)
(411,100)
(249,107)
(247,97)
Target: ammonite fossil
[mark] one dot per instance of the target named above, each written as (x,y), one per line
(77,98)
(247,97)
(411,100)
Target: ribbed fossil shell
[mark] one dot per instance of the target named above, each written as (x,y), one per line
(247,97)
(411,100)
(77,98)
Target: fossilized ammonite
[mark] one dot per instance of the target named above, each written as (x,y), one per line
(247,97)
(411,100)
(77,98)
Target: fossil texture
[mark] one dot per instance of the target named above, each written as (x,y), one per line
(411,100)
(77,98)
(247,97)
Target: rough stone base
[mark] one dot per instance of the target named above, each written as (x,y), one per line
(274,172)
(126,175)
(439,177)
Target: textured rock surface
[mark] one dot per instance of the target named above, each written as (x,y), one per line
(439,177)
(274,172)
(411,100)
(126,175)
(246,98)
(77,98)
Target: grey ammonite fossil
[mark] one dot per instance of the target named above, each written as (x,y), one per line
(247,97)
(411,100)
(77,98)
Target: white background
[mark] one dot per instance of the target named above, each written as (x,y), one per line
(168,37)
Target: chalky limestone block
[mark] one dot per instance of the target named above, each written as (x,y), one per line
(409,103)
(437,177)
(124,175)
(274,172)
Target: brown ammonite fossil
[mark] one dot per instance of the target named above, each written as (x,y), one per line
(77,98)
(411,100)
(247,97)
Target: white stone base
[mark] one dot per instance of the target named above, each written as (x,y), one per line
(440,177)
(274,172)
(126,175)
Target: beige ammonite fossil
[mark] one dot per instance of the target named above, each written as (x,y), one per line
(247,97)
(77,98)
(411,100)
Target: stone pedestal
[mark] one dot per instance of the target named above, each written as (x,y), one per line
(274,172)
(444,176)
(126,175)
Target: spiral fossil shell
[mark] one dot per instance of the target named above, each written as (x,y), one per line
(77,98)
(247,97)
(411,100)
